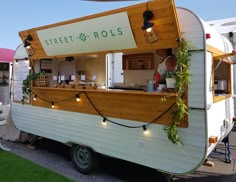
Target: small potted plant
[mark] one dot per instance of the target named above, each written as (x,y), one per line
(170,79)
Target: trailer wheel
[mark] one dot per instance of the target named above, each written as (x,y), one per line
(84,159)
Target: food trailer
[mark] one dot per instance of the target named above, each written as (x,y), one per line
(87,87)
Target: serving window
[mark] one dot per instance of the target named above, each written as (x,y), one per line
(222,79)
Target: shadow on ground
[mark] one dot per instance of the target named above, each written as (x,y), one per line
(117,168)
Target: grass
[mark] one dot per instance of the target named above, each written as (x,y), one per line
(16,169)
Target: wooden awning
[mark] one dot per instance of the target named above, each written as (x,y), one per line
(164,19)
(226,57)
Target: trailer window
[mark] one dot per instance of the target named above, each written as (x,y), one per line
(222,77)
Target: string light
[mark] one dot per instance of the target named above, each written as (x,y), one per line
(77,98)
(52,106)
(35,97)
(145,130)
(104,122)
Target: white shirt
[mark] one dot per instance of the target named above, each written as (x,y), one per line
(162,66)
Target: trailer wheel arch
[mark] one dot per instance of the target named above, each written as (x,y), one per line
(84,158)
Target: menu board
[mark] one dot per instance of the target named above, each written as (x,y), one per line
(20,73)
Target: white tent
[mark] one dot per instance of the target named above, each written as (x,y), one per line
(20,53)
(226,27)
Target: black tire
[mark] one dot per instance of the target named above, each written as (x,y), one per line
(84,159)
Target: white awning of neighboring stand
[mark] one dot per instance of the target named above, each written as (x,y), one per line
(20,53)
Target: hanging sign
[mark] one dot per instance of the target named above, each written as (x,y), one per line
(112,32)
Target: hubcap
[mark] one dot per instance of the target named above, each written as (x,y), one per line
(83,156)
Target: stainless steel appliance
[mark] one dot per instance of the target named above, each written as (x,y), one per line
(221,87)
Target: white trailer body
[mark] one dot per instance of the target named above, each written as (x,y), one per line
(207,117)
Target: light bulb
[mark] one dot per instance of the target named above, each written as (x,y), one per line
(35,97)
(52,106)
(77,98)
(104,122)
(145,130)
(149,29)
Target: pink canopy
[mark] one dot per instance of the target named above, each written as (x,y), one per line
(6,55)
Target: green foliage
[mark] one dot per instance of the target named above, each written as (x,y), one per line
(26,88)
(170,74)
(183,77)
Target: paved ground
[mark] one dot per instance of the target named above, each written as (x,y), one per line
(114,170)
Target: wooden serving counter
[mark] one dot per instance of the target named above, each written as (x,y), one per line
(125,104)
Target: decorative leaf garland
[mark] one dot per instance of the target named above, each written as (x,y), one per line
(182,79)
(26,86)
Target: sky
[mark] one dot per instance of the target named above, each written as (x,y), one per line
(19,15)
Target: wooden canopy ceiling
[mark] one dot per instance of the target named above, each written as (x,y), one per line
(164,19)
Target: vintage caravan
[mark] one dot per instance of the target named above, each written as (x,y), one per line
(96,99)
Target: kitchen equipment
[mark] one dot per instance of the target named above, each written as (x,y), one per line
(221,87)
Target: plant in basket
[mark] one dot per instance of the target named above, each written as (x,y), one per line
(170,74)
(170,77)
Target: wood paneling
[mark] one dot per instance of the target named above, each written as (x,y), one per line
(165,22)
(134,105)
(138,62)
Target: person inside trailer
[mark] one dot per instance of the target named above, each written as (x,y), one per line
(167,62)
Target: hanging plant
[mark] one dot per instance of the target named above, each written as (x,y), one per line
(183,76)
(26,86)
